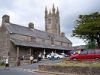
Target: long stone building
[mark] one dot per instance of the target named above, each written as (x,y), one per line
(17,40)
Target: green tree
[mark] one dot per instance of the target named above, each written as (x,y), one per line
(91,44)
(88,27)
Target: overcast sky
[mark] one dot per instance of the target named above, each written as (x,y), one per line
(24,11)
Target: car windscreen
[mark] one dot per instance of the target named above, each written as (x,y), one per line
(84,52)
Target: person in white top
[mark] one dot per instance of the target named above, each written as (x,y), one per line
(6,63)
(31,59)
(39,56)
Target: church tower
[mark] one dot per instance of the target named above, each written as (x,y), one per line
(52,21)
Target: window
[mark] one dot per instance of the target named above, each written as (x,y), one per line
(68,44)
(83,52)
(43,41)
(52,41)
(90,51)
(61,43)
(97,51)
(33,39)
(49,21)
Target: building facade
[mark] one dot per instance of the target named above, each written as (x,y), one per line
(19,41)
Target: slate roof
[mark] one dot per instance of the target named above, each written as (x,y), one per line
(31,44)
(18,29)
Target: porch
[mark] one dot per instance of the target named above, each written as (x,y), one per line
(26,49)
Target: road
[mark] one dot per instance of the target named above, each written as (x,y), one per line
(15,71)
(27,70)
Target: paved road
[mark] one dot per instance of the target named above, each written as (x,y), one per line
(26,70)
(35,65)
(19,72)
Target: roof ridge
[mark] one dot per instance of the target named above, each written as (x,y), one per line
(26,27)
(36,29)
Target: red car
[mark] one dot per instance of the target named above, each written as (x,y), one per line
(87,54)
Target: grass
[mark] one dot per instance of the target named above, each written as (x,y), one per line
(1,66)
(79,63)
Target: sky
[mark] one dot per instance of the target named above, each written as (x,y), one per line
(24,11)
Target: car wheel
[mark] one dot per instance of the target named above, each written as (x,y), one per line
(58,57)
(49,58)
(97,58)
(74,58)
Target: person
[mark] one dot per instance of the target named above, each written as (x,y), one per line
(43,56)
(31,59)
(6,63)
(78,51)
(40,57)
(52,55)
(18,61)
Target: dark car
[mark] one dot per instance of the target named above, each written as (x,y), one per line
(87,54)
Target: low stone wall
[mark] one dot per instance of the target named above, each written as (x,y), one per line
(70,70)
(24,62)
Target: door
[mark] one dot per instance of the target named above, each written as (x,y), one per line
(83,55)
(97,54)
(90,54)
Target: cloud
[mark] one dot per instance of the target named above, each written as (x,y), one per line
(24,11)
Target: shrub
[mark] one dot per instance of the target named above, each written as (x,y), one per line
(2,63)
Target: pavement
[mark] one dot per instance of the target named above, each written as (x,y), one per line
(34,66)
(27,69)
(17,71)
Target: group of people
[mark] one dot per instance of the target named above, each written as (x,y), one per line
(40,56)
(75,52)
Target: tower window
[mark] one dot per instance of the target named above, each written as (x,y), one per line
(56,21)
(49,21)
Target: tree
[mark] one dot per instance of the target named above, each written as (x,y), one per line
(91,44)
(88,27)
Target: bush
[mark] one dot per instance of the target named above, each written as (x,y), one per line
(2,63)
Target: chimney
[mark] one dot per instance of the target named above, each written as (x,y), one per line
(5,19)
(31,25)
(62,34)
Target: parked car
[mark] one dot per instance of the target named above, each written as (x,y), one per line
(87,54)
(65,55)
(55,56)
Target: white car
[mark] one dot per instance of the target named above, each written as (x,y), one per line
(49,56)
(58,56)
(65,55)
(55,56)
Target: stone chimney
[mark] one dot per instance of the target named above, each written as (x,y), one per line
(5,19)
(31,25)
(62,34)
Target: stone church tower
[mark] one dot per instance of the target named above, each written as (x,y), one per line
(52,21)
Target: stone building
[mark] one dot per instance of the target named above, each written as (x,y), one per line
(19,41)
(52,21)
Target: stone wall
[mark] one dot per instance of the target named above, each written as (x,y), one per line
(70,70)
(7,48)
(12,54)
(4,42)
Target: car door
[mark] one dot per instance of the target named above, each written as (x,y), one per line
(83,55)
(97,54)
(90,54)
